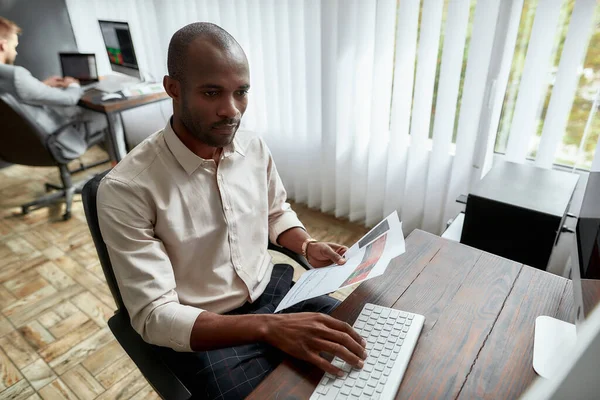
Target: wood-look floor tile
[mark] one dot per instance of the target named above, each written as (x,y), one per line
(78,273)
(21,304)
(69,324)
(80,351)
(125,388)
(147,393)
(38,374)
(36,335)
(31,287)
(19,391)
(82,383)
(52,253)
(66,309)
(49,319)
(57,390)
(55,276)
(31,311)
(6,297)
(5,326)
(21,279)
(93,308)
(17,349)
(103,294)
(116,371)
(64,344)
(9,374)
(105,356)
(18,267)
(34,396)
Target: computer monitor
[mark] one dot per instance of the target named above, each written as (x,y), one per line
(578,370)
(552,336)
(119,47)
(81,66)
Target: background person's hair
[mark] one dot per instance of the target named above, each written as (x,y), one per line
(7,28)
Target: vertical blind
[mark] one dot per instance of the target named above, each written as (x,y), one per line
(359,100)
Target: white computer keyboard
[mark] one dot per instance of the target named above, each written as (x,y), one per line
(391,337)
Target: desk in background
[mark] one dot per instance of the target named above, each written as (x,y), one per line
(112,109)
(480,310)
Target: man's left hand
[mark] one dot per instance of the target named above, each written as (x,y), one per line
(54,81)
(321,254)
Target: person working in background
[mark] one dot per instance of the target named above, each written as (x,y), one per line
(52,102)
(186,217)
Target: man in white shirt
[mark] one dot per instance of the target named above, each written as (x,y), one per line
(186,217)
(50,103)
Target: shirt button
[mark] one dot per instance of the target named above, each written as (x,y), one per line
(226,208)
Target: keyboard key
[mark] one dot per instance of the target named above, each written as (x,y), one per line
(329,376)
(379,346)
(325,381)
(403,314)
(359,325)
(385,334)
(367,328)
(381,340)
(369,306)
(338,383)
(368,367)
(387,371)
(383,380)
(376,375)
(394,356)
(363,318)
(354,374)
(346,390)
(346,367)
(369,390)
(364,375)
(375,355)
(411,316)
(360,383)
(385,312)
(394,314)
(390,363)
(379,367)
(375,396)
(408,322)
(372,383)
(372,359)
(405,329)
(395,332)
(379,388)
(356,391)
(389,345)
(403,335)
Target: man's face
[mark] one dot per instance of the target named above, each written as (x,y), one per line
(214,95)
(9,48)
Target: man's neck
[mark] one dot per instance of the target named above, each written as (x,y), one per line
(194,145)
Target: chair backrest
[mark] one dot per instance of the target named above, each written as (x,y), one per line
(88,195)
(21,140)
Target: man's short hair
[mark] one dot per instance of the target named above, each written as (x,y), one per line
(178,46)
(7,28)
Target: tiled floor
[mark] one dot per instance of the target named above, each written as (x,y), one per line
(54,302)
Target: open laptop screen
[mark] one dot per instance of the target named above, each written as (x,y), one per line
(79,66)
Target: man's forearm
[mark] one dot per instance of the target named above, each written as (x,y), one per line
(293,238)
(214,331)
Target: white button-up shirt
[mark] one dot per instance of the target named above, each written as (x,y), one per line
(185,235)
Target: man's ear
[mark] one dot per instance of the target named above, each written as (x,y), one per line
(3,43)
(172,87)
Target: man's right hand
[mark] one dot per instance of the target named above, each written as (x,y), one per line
(306,335)
(67,80)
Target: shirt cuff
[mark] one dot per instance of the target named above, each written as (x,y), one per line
(285,221)
(74,84)
(181,327)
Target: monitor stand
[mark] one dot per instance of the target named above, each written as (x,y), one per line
(114,83)
(553,337)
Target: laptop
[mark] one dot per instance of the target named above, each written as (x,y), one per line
(81,66)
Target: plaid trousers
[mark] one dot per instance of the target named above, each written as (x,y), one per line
(232,373)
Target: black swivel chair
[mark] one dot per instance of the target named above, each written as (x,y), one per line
(24,142)
(144,355)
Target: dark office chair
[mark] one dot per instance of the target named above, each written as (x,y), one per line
(24,142)
(144,355)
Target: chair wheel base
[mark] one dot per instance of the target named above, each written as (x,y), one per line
(66,216)
(25,210)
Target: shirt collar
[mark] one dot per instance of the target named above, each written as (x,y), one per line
(188,159)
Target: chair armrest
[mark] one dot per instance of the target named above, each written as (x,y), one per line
(156,372)
(294,256)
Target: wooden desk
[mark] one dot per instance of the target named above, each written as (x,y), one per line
(480,310)
(112,109)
